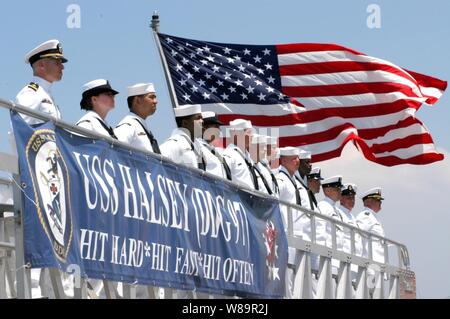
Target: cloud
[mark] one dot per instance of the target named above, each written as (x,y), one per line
(416,211)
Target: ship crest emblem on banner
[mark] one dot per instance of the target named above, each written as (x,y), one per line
(51,190)
(270,242)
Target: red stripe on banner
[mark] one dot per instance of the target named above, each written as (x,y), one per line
(428,81)
(311,47)
(346,89)
(340,66)
(372,133)
(323,113)
(424,138)
(422,159)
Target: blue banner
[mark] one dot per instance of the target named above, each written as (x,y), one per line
(126,216)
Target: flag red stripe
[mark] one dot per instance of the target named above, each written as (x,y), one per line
(311,47)
(405,142)
(340,66)
(347,89)
(429,81)
(323,113)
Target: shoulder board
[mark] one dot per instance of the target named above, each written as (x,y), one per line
(33,86)
(83,121)
(123,124)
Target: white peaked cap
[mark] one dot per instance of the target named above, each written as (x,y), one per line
(187,110)
(289,151)
(304,154)
(208,114)
(140,89)
(259,139)
(333,181)
(349,188)
(272,140)
(94,84)
(373,193)
(51,48)
(315,173)
(240,124)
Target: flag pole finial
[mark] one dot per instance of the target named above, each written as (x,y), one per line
(155,21)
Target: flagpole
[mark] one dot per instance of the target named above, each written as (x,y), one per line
(155,27)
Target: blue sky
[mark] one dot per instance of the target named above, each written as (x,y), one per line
(115,42)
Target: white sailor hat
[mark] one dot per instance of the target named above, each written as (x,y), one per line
(289,151)
(314,174)
(259,139)
(210,118)
(335,181)
(140,89)
(272,140)
(349,189)
(188,110)
(93,88)
(372,193)
(240,124)
(48,49)
(304,154)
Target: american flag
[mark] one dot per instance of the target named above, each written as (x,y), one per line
(318,96)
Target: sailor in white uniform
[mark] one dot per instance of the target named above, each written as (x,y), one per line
(216,163)
(314,182)
(332,190)
(237,154)
(182,146)
(46,61)
(368,221)
(347,203)
(305,194)
(345,207)
(263,164)
(289,192)
(133,129)
(98,101)
(258,150)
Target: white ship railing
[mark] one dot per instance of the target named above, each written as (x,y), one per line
(368,279)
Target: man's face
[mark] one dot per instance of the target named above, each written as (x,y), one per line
(194,124)
(148,103)
(53,69)
(333,192)
(373,204)
(348,201)
(291,163)
(305,166)
(314,185)
(211,132)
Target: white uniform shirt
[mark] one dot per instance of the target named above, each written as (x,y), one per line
(287,194)
(178,148)
(327,207)
(131,132)
(38,98)
(240,172)
(367,221)
(91,121)
(213,164)
(348,218)
(265,170)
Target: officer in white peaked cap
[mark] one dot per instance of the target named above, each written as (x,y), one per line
(368,221)
(133,129)
(182,146)
(98,100)
(47,61)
